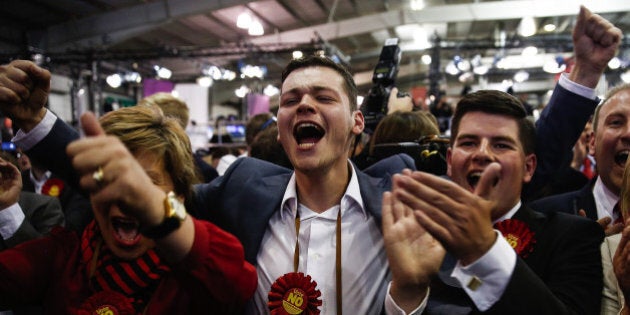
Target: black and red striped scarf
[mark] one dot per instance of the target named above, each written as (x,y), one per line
(136,279)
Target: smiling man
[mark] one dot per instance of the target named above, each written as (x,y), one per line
(609,144)
(503,257)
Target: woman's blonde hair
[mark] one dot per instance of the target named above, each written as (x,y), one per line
(147,129)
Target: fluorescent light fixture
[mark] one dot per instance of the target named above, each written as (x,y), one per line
(552,66)
(256,29)
(228,75)
(481,70)
(114,80)
(244,20)
(417,4)
(527,27)
(614,63)
(271,90)
(451,68)
(426,59)
(242,91)
(521,76)
(463,65)
(297,54)
(530,51)
(133,77)
(162,72)
(205,81)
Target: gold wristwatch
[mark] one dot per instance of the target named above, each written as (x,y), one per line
(174,214)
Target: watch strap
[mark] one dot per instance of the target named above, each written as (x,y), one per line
(163,229)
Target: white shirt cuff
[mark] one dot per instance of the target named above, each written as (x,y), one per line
(11,219)
(391,308)
(485,280)
(576,88)
(28,140)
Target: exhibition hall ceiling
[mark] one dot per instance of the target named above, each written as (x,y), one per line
(188,36)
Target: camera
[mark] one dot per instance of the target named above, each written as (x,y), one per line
(428,152)
(374,106)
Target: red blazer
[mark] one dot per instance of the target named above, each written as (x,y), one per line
(213,278)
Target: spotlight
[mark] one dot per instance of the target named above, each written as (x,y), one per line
(114,80)
(205,81)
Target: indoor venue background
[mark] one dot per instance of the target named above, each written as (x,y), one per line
(224,58)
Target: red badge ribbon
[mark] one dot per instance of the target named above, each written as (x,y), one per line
(294,293)
(107,303)
(518,235)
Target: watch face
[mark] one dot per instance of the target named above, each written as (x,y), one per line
(177,208)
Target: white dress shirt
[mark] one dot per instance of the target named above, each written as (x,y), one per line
(11,219)
(39,183)
(365,274)
(605,201)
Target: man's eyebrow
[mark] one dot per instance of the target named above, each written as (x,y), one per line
(316,88)
(466,136)
(494,139)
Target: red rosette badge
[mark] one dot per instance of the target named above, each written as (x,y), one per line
(518,235)
(294,293)
(107,303)
(52,187)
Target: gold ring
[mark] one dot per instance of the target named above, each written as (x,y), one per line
(98,175)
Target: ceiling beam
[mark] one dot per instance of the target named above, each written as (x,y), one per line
(481,11)
(113,27)
(116,26)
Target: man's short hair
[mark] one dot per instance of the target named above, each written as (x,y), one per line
(497,103)
(609,95)
(321,61)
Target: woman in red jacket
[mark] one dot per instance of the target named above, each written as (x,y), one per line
(142,254)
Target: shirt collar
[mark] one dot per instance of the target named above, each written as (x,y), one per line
(45,177)
(603,196)
(351,199)
(510,213)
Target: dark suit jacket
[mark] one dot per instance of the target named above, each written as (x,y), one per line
(562,275)
(557,129)
(243,200)
(570,202)
(77,208)
(42,213)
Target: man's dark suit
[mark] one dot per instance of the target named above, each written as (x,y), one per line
(243,200)
(77,208)
(570,202)
(562,275)
(557,129)
(41,213)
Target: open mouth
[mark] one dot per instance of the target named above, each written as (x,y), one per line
(126,231)
(621,157)
(308,134)
(473,178)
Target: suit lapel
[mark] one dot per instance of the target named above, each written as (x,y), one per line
(253,229)
(585,200)
(372,193)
